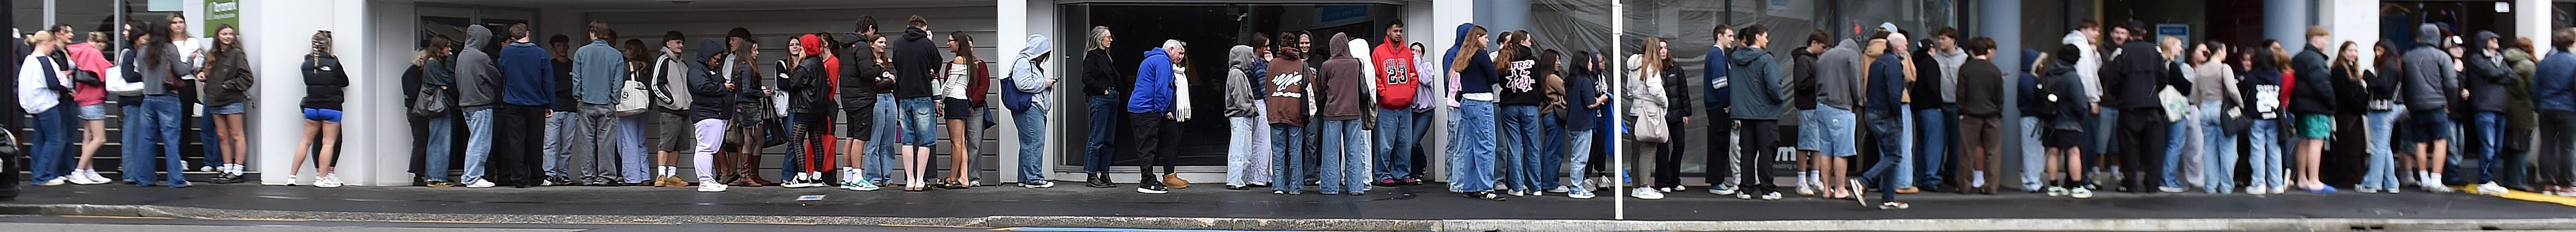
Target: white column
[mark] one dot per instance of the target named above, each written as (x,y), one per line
(378,47)
(1445,17)
(2531,20)
(2351,21)
(277,34)
(2287,21)
(1012,36)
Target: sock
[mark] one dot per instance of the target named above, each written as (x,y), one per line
(1978,180)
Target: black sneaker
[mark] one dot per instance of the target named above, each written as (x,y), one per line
(1099,181)
(1487,195)
(1150,188)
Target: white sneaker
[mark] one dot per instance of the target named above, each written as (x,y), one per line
(1557,189)
(708,187)
(2054,191)
(1771,196)
(1646,193)
(2257,190)
(2170,189)
(1806,190)
(2080,193)
(1579,194)
(77,177)
(1721,191)
(1514,193)
(2491,189)
(480,184)
(2281,189)
(93,175)
(328,181)
(54,182)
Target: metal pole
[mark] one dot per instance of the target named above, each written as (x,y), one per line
(1619,162)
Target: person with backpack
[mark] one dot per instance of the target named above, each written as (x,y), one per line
(2062,107)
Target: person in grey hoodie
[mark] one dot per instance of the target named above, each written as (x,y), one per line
(1030,88)
(1243,110)
(478,87)
(2430,81)
(1756,83)
(599,71)
(1837,85)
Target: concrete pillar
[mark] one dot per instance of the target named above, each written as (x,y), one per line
(1508,14)
(2531,20)
(2350,21)
(2287,21)
(1445,18)
(374,104)
(2003,22)
(1011,36)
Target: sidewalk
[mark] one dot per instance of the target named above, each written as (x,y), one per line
(1209,207)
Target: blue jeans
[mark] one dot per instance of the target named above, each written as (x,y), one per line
(2266,157)
(1520,131)
(133,122)
(1032,125)
(1891,157)
(561,127)
(1931,144)
(1582,142)
(2218,150)
(1471,164)
(1396,135)
(214,145)
(920,125)
(1286,165)
(52,143)
(478,145)
(441,135)
(1241,149)
(1551,153)
(161,119)
(1419,130)
(1904,146)
(630,147)
(2177,135)
(880,152)
(2382,172)
(2490,129)
(1104,122)
(1345,160)
(2032,161)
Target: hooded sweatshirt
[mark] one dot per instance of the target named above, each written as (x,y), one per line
(1838,76)
(1028,80)
(2488,76)
(916,63)
(1756,71)
(221,88)
(707,88)
(1153,84)
(1802,79)
(1241,96)
(1345,83)
(1520,79)
(1480,75)
(324,82)
(2429,79)
(527,75)
(671,82)
(478,82)
(1289,87)
(1951,63)
(600,71)
(1397,83)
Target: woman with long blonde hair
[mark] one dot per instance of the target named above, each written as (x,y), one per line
(324,82)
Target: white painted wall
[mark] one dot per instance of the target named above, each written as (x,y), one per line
(277,33)
(2531,20)
(2356,21)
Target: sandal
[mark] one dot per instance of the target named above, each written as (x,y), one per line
(949,185)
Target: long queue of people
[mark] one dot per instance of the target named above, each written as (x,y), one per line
(2156,113)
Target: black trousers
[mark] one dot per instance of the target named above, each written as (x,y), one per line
(1151,149)
(1668,163)
(2143,138)
(1720,161)
(2557,145)
(1760,149)
(517,150)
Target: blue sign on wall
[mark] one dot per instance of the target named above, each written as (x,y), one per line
(1330,13)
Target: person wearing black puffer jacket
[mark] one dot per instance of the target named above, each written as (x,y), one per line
(858,82)
(2487,78)
(324,82)
(2313,103)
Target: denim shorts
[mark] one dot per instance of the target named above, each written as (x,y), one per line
(93,112)
(919,123)
(235,108)
(2428,119)
(1827,130)
(320,114)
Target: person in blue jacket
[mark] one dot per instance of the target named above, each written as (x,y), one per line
(1149,109)
(527,92)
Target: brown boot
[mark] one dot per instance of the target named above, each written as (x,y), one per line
(724,169)
(748,168)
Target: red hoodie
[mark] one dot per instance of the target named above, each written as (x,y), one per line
(1396,85)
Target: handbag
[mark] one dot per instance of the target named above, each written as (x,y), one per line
(432,102)
(86,77)
(635,99)
(1652,129)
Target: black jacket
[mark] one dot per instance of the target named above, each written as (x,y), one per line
(1676,89)
(858,71)
(324,82)
(915,61)
(2487,80)
(805,87)
(2133,79)
(2315,93)
(1100,73)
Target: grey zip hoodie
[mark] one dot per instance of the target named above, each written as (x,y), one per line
(477,81)
(2429,79)
(1240,97)
(1838,76)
